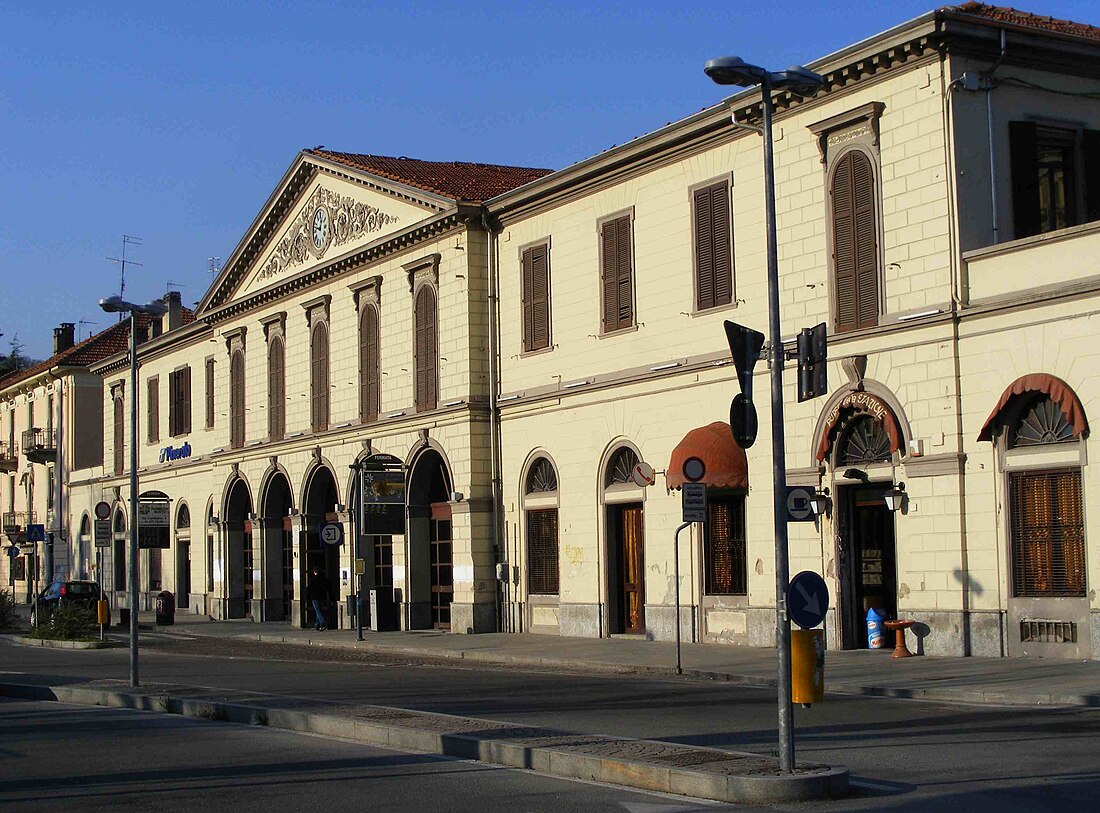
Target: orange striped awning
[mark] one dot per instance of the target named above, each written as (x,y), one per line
(725,461)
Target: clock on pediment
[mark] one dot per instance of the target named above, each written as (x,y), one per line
(321,231)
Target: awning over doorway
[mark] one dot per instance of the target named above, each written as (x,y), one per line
(1055,388)
(727,466)
(854,403)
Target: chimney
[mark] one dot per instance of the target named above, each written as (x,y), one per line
(174,317)
(64,336)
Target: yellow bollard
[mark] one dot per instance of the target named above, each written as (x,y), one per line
(807,666)
(103,613)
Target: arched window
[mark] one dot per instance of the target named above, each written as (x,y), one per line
(427,350)
(318,377)
(540,506)
(619,467)
(276,389)
(1041,421)
(855,242)
(864,440)
(119,435)
(370,375)
(236,399)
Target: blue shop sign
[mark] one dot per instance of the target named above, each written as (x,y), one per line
(170,453)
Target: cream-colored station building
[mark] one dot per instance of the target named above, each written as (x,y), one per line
(520,340)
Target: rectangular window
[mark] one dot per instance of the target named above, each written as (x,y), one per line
(1055,177)
(713,246)
(179,402)
(535,262)
(724,547)
(1048,533)
(542,552)
(617,274)
(209,393)
(153,406)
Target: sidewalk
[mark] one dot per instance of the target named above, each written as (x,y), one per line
(995,681)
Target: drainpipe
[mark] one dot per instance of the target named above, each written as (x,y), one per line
(989,126)
(494,421)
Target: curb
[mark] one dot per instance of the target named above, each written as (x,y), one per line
(563,758)
(43,642)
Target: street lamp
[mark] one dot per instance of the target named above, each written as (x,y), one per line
(116,304)
(733,70)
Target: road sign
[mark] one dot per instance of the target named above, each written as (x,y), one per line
(332,533)
(807,599)
(813,369)
(103,533)
(36,533)
(13,551)
(694,502)
(798,504)
(694,469)
(102,510)
(154,514)
(642,474)
(745,345)
(743,421)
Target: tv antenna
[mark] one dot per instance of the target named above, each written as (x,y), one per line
(213,265)
(127,240)
(170,285)
(80,326)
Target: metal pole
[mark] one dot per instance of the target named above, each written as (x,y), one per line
(779,463)
(676,576)
(361,577)
(133,501)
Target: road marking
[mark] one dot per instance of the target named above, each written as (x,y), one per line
(888,787)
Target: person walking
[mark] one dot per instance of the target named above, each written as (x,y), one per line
(319,592)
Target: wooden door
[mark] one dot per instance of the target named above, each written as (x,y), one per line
(442,566)
(632,573)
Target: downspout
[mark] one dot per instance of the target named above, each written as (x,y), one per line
(989,127)
(501,554)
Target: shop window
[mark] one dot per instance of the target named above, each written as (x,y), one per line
(542,529)
(724,553)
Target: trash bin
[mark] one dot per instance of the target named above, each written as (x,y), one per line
(807,666)
(876,637)
(350,610)
(124,617)
(166,609)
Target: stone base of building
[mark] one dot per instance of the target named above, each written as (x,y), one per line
(473,618)
(579,620)
(196,604)
(660,623)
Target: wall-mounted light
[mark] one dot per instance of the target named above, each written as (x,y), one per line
(895,497)
(819,502)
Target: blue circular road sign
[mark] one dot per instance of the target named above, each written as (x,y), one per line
(807,599)
(332,533)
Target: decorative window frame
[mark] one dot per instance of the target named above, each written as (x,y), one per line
(421,271)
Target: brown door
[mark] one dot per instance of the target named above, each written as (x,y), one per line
(442,567)
(631,572)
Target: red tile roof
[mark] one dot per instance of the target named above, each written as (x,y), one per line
(106,343)
(453,179)
(1025,19)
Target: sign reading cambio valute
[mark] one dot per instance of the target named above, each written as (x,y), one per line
(866,403)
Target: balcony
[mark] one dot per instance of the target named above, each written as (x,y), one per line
(39,446)
(17,521)
(9,456)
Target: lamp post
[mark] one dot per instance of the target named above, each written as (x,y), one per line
(116,304)
(733,70)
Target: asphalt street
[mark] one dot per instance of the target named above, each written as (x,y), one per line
(903,754)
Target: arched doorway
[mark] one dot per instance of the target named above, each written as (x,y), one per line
(84,549)
(319,504)
(238,551)
(118,552)
(183,556)
(430,554)
(279,548)
(625,538)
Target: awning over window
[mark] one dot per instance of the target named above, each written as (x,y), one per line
(1055,388)
(727,466)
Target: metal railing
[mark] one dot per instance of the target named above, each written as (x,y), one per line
(39,445)
(15,521)
(9,456)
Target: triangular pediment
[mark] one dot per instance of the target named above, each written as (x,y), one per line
(318,213)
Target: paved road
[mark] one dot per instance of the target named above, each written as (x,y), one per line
(56,756)
(904,755)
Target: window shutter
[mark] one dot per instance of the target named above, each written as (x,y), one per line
(120,436)
(427,388)
(276,390)
(713,258)
(369,365)
(153,407)
(855,243)
(536,298)
(236,400)
(185,399)
(1091,148)
(1048,538)
(1024,154)
(618,300)
(319,383)
(209,393)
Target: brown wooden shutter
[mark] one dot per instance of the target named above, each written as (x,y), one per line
(276,390)
(617,274)
(536,298)
(713,255)
(209,393)
(855,243)
(319,384)
(1048,536)
(185,400)
(369,365)
(236,400)
(427,385)
(1023,150)
(542,552)
(153,408)
(1091,148)
(119,436)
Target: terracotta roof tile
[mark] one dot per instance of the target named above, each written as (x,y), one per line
(1040,22)
(453,179)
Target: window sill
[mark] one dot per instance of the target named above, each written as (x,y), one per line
(618,332)
(540,352)
(729,306)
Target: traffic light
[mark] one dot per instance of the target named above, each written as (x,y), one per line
(745,345)
(813,373)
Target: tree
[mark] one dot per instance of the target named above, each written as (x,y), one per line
(16,360)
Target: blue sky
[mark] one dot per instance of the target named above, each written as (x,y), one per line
(174,121)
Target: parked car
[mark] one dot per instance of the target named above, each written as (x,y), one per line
(75,593)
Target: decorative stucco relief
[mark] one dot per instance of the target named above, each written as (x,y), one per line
(349,219)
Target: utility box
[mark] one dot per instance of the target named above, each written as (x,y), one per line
(807,666)
(383,610)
